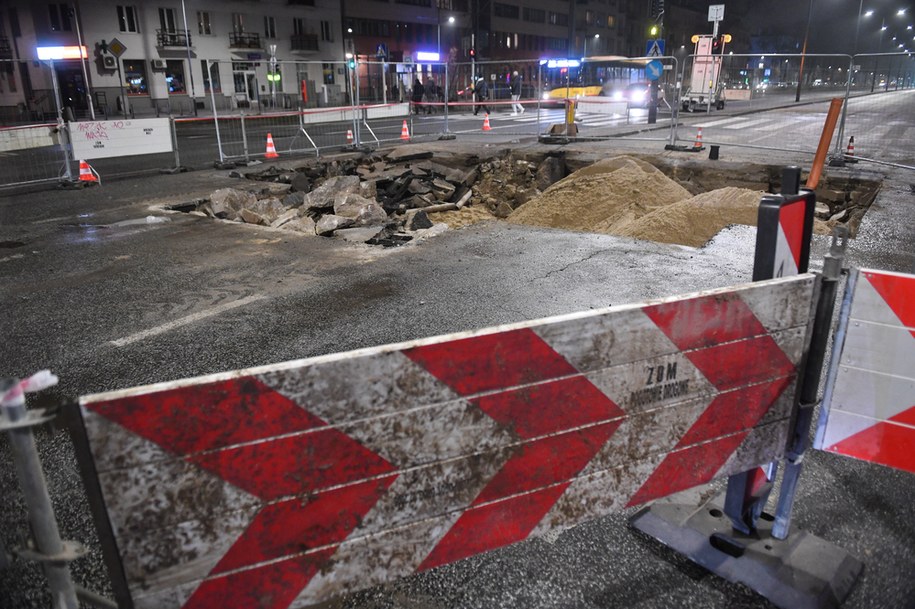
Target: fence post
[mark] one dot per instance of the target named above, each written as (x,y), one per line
(50,551)
(222,157)
(357,134)
(63,131)
(837,151)
(244,137)
(446,134)
(171,120)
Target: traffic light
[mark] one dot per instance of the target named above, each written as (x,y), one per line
(657,8)
(352,63)
(718,44)
(653,31)
(472,52)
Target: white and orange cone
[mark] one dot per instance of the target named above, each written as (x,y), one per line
(486,126)
(405,131)
(850,151)
(349,136)
(271,149)
(698,143)
(86,173)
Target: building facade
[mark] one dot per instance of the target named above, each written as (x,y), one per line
(170,56)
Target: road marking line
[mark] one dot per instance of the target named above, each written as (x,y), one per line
(759,121)
(121,342)
(721,122)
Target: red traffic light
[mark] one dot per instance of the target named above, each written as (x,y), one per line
(472,52)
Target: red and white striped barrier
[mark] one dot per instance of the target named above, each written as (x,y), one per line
(869,405)
(304,480)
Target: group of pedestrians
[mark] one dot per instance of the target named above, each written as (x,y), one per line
(425,96)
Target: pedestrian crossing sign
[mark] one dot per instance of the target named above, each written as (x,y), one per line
(654,48)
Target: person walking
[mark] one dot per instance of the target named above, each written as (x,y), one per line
(514,87)
(417,96)
(482,93)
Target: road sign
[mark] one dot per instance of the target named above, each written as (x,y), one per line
(654,48)
(408,59)
(716,12)
(784,226)
(381,51)
(654,69)
(116,47)
(309,479)
(869,408)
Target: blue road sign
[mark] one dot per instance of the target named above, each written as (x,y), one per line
(381,51)
(654,69)
(654,48)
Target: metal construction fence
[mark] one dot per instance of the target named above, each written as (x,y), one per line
(760,101)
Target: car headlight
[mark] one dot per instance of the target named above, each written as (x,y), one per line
(638,96)
(618,96)
(546,96)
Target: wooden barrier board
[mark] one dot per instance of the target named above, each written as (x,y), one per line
(284,485)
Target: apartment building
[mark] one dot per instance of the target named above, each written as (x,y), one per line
(171,55)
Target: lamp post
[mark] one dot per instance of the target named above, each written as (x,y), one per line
(439,44)
(190,68)
(585,54)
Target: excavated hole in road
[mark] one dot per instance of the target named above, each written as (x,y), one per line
(393,198)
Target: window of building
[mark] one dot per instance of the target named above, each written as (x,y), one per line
(558,18)
(301,2)
(127,19)
(611,21)
(210,76)
(203,23)
(174,76)
(327,32)
(415,2)
(534,15)
(135,77)
(506,11)
(167,20)
(298,26)
(328,72)
(269,27)
(238,23)
(59,18)
(557,44)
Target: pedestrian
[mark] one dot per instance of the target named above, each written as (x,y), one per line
(430,97)
(417,96)
(482,93)
(514,86)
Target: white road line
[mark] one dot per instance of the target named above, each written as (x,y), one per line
(758,121)
(121,342)
(721,122)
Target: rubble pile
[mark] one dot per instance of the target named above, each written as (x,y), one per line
(393,198)
(381,199)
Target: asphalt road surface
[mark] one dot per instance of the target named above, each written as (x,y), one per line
(107,301)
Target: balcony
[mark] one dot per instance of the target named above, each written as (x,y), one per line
(305,42)
(175,38)
(243,40)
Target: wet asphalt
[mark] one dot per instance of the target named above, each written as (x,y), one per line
(83,274)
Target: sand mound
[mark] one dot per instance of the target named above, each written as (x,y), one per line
(611,193)
(696,220)
(460,218)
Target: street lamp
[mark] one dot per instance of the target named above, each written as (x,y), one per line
(439,49)
(585,54)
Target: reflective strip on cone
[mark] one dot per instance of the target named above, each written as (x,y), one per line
(271,149)
(486,126)
(86,173)
(404,131)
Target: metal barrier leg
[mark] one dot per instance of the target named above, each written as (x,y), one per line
(51,551)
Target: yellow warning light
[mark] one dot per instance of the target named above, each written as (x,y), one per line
(727,38)
(695,38)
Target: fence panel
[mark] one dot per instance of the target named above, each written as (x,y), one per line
(880,109)
(32,153)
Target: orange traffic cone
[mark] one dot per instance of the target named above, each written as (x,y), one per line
(349,136)
(271,149)
(486,126)
(850,151)
(698,144)
(86,173)
(404,131)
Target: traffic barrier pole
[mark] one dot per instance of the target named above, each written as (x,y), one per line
(244,137)
(53,553)
(835,107)
(222,157)
(832,269)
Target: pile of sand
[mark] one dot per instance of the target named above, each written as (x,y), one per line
(695,220)
(460,218)
(609,194)
(630,197)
